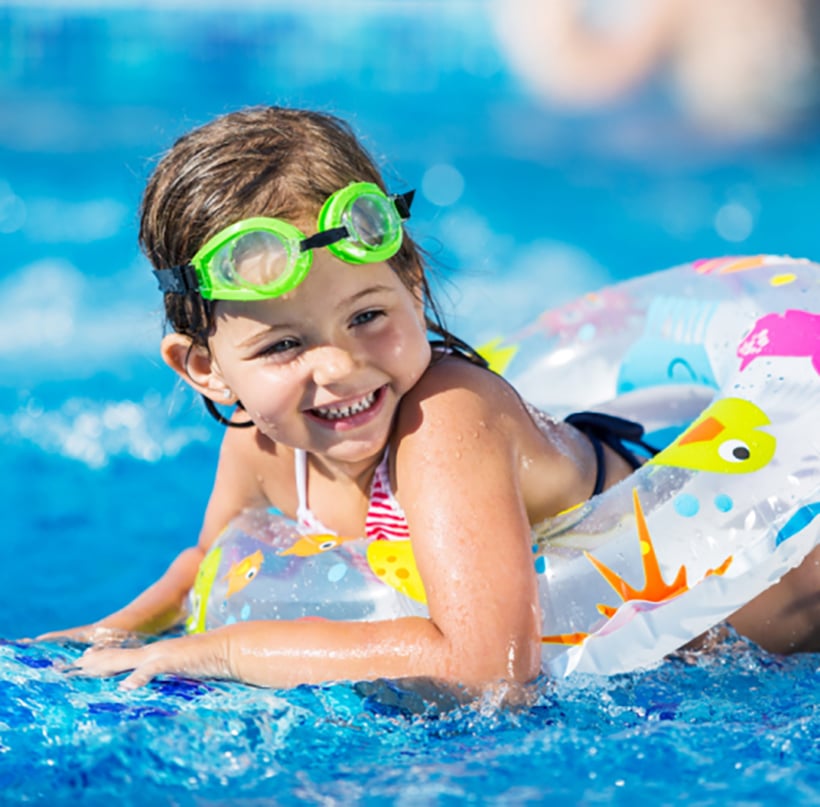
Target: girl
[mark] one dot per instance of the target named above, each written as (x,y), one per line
(296,295)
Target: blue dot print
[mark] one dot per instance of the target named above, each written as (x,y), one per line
(687,505)
(724,503)
(336,572)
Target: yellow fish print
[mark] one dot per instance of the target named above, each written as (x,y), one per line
(309,545)
(393,563)
(243,572)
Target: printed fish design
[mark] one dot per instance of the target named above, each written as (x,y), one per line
(394,564)
(793,333)
(309,545)
(243,572)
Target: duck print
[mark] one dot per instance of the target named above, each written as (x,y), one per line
(726,439)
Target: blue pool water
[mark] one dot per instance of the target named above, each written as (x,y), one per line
(108,462)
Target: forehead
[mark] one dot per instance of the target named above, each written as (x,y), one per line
(331,285)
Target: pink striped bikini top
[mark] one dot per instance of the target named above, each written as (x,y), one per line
(385,519)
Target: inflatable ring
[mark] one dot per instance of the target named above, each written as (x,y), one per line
(720,360)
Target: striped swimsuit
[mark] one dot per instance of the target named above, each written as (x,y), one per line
(385,520)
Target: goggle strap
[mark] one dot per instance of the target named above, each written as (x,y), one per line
(402,202)
(177,279)
(324,238)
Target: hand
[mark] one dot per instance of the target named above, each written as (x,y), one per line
(94,634)
(201,656)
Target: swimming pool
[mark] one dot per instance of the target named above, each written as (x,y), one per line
(108,461)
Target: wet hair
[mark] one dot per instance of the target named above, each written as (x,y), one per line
(261,161)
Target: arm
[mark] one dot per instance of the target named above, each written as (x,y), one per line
(472,546)
(162,604)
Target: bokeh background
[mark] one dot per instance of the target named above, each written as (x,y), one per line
(556,147)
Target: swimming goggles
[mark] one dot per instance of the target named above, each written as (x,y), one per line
(260,258)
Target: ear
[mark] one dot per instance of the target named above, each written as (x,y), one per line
(196,366)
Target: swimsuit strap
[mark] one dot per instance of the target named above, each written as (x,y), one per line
(385,518)
(610,430)
(304,515)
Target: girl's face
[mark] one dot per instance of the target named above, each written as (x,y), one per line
(323,367)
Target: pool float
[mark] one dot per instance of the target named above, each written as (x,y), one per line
(720,360)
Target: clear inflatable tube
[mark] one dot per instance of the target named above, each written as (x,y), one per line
(720,360)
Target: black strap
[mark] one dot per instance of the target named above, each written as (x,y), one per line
(403,201)
(610,430)
(600,464)
(324,238)
(220,418)
(177,279)
(452,344)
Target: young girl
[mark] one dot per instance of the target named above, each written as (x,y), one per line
(296,295)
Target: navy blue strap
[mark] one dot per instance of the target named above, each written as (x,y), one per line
(610,430)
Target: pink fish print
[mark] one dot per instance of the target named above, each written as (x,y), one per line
(793,333)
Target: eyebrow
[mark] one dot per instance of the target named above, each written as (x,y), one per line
(364,293)
(251,341)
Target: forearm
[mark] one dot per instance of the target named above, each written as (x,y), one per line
(284,654)
(161,605)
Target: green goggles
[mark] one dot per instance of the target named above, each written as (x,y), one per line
(260,258)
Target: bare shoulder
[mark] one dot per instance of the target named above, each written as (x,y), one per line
(461,414)
(458,409)
(453,385)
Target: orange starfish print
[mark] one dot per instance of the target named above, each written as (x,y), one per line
(655,589)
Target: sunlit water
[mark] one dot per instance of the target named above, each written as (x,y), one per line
(108,463)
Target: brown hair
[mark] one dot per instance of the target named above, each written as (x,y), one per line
(261,161)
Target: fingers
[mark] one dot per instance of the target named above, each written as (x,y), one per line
(138,678)
(101,662)
(200,656)
(97,635)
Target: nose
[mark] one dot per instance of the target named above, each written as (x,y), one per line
(331,364)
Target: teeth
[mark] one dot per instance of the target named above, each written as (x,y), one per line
(334,413)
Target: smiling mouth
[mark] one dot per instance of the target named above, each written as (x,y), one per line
(342,412)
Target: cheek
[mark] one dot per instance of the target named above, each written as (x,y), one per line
(412,351)
(266,395)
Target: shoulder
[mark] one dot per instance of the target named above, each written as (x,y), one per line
(456,402)
(250,467)
(469,422)
(452,383)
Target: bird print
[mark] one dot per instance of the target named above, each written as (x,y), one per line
(727,438)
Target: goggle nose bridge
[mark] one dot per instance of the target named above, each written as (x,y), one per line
(324,238)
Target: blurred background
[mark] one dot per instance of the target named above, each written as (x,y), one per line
(557,146)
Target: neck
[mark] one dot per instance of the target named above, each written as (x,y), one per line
(359,473)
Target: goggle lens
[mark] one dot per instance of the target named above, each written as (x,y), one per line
(255,260)
(372,221)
